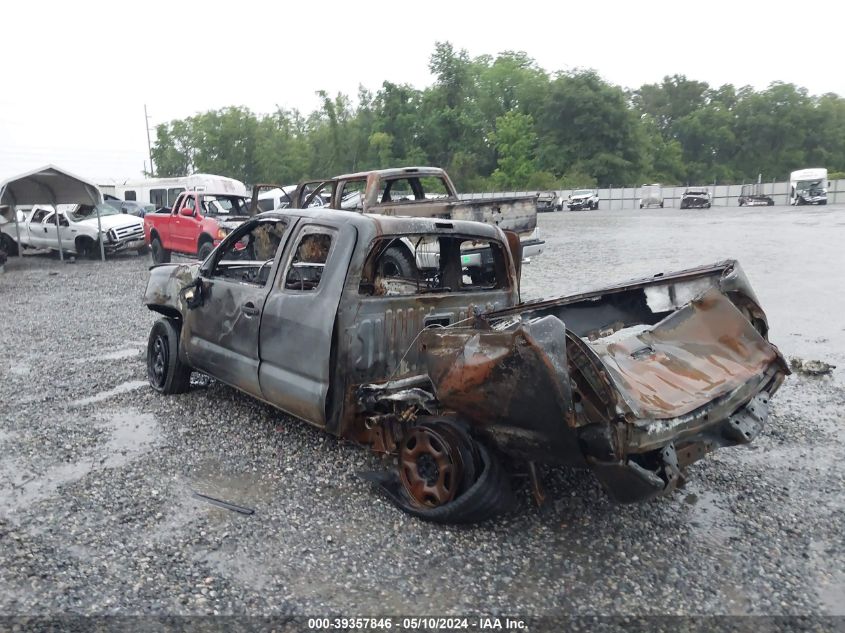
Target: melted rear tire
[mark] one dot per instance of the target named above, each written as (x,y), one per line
(484,490)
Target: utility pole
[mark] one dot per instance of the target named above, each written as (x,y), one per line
(149,146)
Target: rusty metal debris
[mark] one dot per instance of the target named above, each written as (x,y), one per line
(810,367)
(223,504)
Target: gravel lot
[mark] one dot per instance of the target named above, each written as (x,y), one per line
(97,514)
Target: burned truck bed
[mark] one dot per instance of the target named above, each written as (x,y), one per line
(634,381)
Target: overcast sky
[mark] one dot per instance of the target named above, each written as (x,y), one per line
(76,75)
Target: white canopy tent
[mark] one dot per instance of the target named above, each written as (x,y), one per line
(54,186)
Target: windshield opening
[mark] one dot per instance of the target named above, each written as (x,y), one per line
(809,185)
(86,211)
(224,205)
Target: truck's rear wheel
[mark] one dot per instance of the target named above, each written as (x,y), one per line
(160,254)
(478,488)
(165,371)
(396,261)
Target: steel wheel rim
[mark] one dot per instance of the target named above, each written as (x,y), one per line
(429,467)
(157,364)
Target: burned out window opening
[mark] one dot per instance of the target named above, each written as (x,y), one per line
(248,255)
(352,195)
(308,259)
(424,264)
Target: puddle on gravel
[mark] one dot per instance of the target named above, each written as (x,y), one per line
(133,433)
(711,523)
(123,387)
(130,435)
(243,489)
(20,370)
(248,490)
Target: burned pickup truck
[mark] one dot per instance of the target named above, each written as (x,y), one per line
(451,373)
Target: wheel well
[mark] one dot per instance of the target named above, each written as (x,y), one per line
(168,311)
(80,239)
(204,237)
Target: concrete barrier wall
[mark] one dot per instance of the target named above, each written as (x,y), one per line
(722,195)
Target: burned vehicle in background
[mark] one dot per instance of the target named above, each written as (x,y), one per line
(753,196)
(451,373)
(583,199)
(422,192)
(695,198)
(651,196)
(548,201)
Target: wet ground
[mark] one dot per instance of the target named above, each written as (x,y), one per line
(98,512)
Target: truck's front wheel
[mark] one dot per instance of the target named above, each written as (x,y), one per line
(165,371)
(160,254)
(87,248)
(8,245)
(204,250)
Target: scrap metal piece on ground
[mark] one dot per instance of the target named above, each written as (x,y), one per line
(224,504)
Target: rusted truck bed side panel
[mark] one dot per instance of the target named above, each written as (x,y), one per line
(520,215)
(642,301)
(512,385)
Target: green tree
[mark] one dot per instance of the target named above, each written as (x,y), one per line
(515,141)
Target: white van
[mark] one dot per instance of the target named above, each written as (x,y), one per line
(808,186)
(162,192)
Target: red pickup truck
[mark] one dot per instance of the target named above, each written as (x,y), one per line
(194,225)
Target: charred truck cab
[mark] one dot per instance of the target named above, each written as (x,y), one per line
(446,370)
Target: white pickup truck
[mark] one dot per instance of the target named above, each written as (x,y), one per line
(78,228)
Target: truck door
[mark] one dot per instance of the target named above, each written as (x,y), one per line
(221,334)
(37,232)
(297,329)
(185,229)
(49,235)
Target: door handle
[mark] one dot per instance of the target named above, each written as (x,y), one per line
(249,309)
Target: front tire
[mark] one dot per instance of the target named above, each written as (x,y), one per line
(86,248)
(165,371)
(204,251)
(8,245)
(160,254)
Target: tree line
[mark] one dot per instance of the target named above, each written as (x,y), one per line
(504,123)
